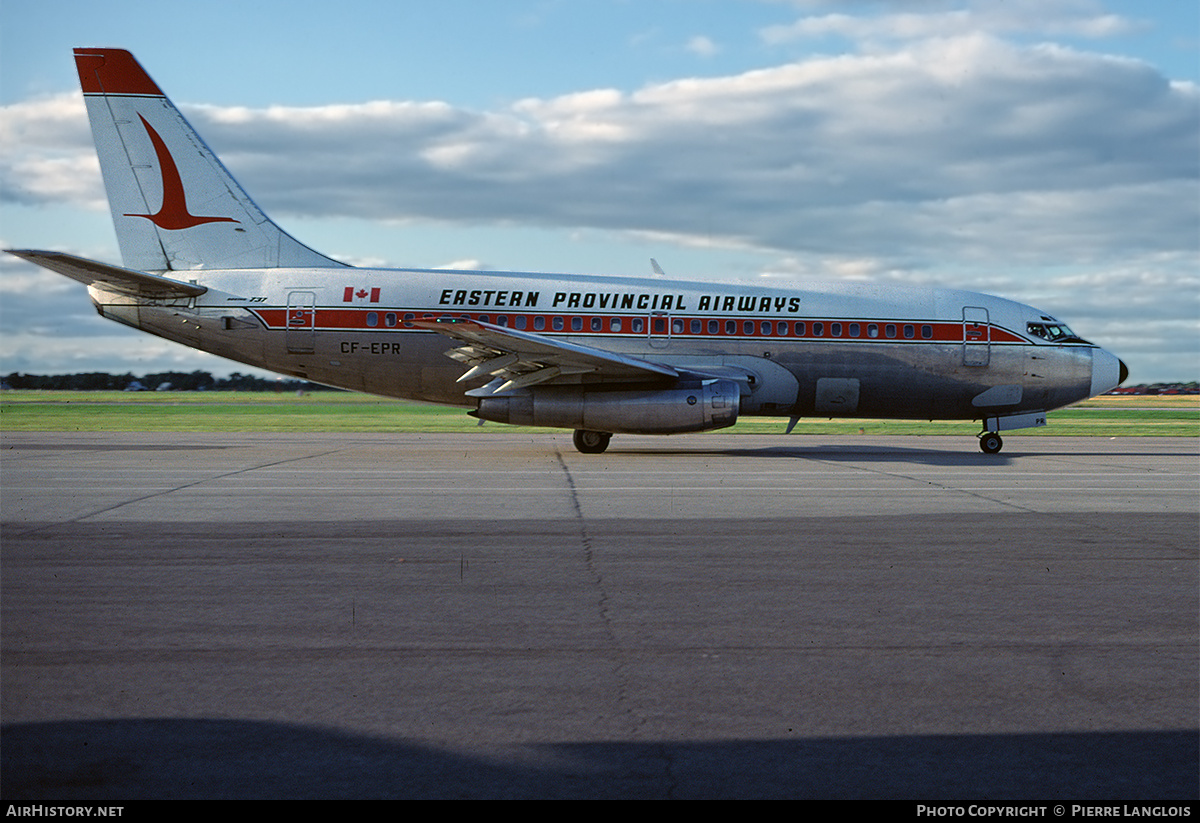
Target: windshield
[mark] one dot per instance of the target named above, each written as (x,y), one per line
(1053,331)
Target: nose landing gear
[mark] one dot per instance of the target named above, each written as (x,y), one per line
(990,443)
(989,439)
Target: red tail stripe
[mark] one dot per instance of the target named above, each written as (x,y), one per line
(112,71)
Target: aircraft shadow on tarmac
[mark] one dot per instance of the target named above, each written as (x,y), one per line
(208,758)
(847,453)
(880,453)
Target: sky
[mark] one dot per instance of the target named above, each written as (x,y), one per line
(1046,151)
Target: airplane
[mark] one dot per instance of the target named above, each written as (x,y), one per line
(602,355)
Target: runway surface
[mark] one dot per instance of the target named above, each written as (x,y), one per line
(496,615)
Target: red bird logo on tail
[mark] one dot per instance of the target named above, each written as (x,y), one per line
(173,214)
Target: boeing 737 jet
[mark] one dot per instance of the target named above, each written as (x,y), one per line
(205,267)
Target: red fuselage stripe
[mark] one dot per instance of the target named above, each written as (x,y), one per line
(393,320)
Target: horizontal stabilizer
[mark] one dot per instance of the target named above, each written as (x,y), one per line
(113,278)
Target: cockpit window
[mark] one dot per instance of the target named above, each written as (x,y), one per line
(1054,332)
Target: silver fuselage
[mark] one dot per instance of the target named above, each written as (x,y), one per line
(826,350)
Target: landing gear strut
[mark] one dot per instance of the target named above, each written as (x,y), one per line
(590,442)
(990,443)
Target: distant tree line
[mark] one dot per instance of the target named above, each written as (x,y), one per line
(1159,388)
(159,381)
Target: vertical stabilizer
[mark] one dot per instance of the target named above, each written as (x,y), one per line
(174,206)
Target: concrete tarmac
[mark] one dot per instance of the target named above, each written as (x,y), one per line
(496,615)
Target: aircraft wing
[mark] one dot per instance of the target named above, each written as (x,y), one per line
(519,359)
(113,278)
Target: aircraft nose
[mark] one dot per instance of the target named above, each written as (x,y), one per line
(1108,371)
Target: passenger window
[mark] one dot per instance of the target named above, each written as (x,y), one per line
(557,323)
(696,326)
(731,327)
(818,329)
(637,325)
(372,318)
(909,331)
(389,319)
(764,327)
(408,317)
(801,329)
(502,320)
(576,324)
(835,329)
(872,330)
(521,322)
(927,332)
(714,326)
(855,330)
(748,327)
(781,328)
(890,330)
(539,323)
(597,324)
(614,324)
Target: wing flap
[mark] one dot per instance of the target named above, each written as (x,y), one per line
(113,278)
(519,359)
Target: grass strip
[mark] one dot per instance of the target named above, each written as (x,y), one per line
(1174,416)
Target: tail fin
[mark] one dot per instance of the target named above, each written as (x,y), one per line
(173,204)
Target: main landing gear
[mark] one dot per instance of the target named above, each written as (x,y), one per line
(990,443)
(590,442)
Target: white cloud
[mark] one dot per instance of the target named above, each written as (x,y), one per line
(702,46)
(904,21)
(31,281)
(469,264)
(969,147)
(46,153)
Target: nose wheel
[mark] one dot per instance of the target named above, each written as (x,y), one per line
(990,443)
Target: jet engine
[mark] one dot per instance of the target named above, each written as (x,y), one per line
(709,404)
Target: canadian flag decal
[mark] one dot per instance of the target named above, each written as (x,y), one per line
(358,295)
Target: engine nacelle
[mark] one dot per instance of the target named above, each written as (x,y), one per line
(710,404)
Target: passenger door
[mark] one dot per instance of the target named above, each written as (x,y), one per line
(977,336)
(301,322)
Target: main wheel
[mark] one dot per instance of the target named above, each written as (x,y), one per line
(990,443)
(590,442)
